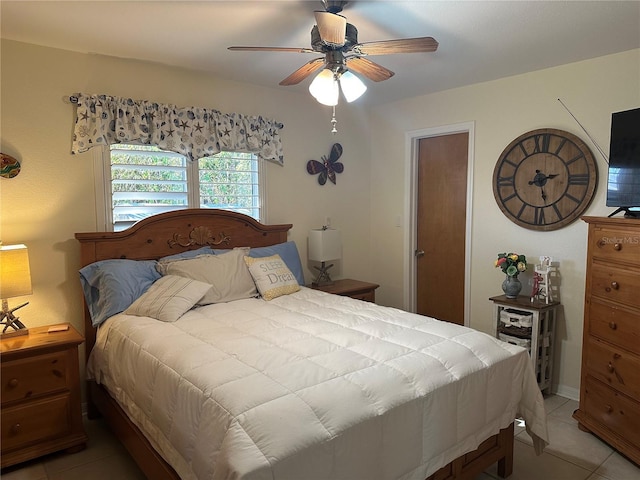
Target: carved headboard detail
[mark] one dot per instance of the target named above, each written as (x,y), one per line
(199,236)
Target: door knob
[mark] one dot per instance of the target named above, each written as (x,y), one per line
(419,253)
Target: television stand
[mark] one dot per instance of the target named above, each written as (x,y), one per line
(628,213)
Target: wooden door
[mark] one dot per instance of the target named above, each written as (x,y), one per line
(441,226)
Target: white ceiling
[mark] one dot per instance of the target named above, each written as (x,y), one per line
(479,40)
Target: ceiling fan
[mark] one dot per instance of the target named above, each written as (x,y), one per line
(338,41)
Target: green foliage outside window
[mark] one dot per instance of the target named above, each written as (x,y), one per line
(146,180)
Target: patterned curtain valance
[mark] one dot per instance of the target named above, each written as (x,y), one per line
(194,132)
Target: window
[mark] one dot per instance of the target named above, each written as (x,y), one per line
(142,180)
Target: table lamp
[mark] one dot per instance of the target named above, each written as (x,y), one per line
(324,245)
(15,281)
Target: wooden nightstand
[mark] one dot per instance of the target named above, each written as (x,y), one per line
(41,411)
(351,288)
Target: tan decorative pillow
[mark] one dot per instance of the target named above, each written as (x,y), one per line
(227,274)
(168,298)
(272,276)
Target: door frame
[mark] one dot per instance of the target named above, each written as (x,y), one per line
(412,139)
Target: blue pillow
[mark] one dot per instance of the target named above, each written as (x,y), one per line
(289,254)
(111,286)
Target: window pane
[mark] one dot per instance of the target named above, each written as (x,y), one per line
(144,181)
(229,180)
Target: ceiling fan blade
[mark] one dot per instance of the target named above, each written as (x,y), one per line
(303,72)
(332,28)
(369,69)
(402,45)
(272,49)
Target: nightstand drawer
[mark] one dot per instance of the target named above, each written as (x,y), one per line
(347,287)
(31,377)
(35,422)
(366,296)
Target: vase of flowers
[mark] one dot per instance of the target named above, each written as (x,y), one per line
(511,265)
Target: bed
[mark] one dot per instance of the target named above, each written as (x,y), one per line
(304,385)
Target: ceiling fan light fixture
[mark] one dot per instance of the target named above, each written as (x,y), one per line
(324,88)
(332,28)
(352,87)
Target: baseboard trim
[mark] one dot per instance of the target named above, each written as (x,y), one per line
(566,392)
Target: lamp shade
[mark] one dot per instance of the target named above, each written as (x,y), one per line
(352,86)
(324,245)
(15,275)
(325,88)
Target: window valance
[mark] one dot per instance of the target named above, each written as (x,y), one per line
(194,132)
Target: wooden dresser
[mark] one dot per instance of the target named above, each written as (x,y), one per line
(610,380)
(41,411)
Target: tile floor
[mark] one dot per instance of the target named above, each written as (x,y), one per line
(571,455)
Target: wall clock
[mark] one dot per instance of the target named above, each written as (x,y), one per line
(545,179)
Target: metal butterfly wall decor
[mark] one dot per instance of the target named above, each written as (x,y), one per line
(328,167)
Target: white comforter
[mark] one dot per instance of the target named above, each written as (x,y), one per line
(313,386)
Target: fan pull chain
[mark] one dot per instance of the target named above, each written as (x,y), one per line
(334,121)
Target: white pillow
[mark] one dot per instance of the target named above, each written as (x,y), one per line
(272,276)
(227,274)
(168,298)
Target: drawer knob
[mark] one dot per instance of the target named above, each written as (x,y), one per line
(609,408)
(617,247)
(613,325)
(13,383)
(615,285)
(611,367)
(15,429)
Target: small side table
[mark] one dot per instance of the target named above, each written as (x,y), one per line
(351,288)
(541,334)
(41,410)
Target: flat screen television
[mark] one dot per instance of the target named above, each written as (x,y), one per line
(623,185)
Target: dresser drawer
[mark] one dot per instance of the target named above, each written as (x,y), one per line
(35,421)
(614,367)
(615,325)
(31,377)
(616,284)
(613,410)
(615,245)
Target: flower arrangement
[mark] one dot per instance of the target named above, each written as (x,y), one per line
(511,263)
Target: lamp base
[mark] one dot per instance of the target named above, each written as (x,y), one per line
(323,279)
(8,319)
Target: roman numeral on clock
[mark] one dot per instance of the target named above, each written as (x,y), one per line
(579,179)
(542,143)
(505,181)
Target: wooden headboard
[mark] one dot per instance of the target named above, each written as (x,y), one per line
(175,232)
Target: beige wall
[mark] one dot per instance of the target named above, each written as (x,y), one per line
(53,197)
(501,111)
